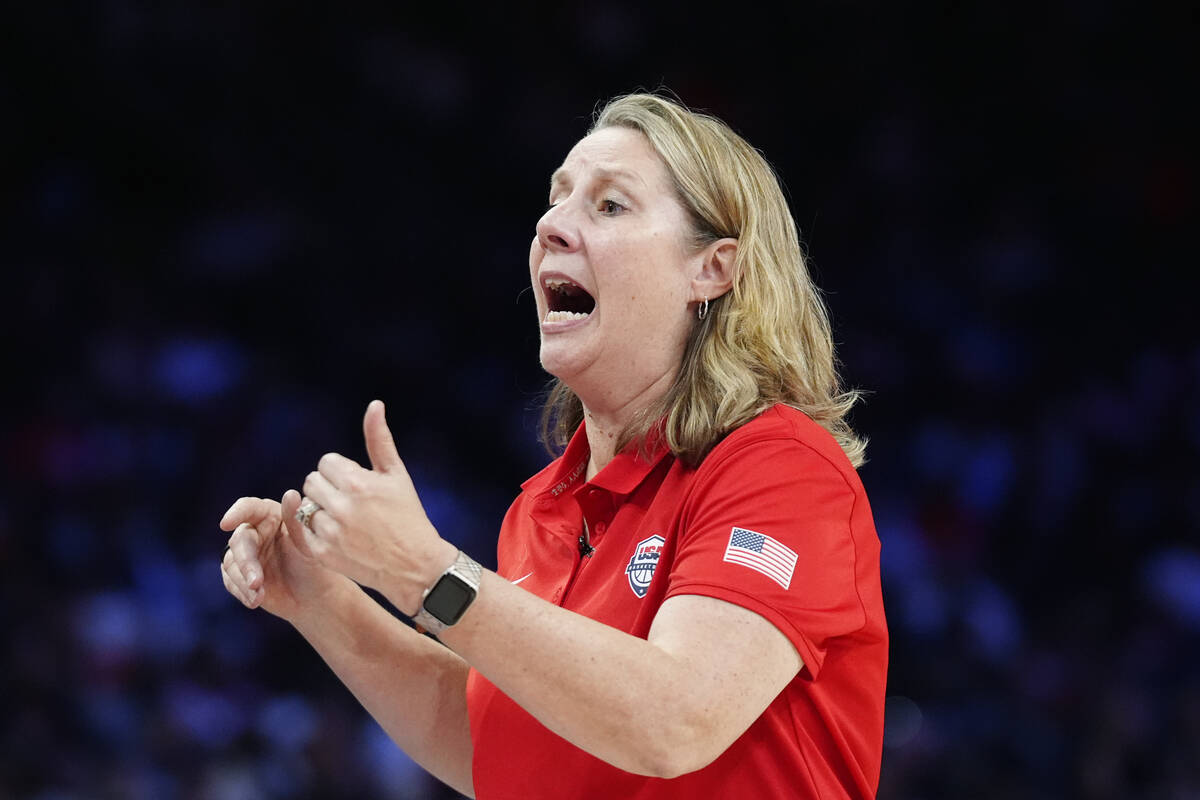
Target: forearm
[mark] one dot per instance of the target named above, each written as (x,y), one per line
(616,696)
(414,687)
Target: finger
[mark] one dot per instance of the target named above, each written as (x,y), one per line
(381,447)
(325,529)
(322,527)
(246,509)
(244,545)
(238,572)
(296,532)
(232,588)
(339,470)
(318,489)
(233,583)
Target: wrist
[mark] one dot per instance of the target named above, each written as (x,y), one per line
(449,598)
(424,575)
(316,610)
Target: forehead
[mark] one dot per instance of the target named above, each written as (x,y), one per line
(613,153)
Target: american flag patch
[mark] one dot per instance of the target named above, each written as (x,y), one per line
(762,553)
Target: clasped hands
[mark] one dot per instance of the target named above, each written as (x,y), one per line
(370,528)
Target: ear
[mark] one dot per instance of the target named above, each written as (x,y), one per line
(716,274)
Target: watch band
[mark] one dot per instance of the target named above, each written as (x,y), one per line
(465,574)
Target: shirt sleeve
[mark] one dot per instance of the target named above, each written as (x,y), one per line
(768,527)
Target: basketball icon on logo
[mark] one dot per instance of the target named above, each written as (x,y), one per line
(641,566)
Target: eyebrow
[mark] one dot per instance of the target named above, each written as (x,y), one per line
(603,173)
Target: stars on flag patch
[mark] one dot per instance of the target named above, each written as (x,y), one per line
(763,554)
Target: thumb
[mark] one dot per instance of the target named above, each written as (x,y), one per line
(381,448)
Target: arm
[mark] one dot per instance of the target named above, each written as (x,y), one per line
(661,706)
(413,687)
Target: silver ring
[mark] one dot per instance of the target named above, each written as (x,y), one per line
(305,513)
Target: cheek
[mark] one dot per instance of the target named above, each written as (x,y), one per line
(655,279)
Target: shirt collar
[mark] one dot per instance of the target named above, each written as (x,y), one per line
(629,467)
(563,472)
(621,476)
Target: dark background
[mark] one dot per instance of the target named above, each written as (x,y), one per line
(226,227)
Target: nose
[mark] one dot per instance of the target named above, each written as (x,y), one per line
(555,231)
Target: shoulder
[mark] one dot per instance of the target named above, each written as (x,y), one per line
(781,463)
(782,432)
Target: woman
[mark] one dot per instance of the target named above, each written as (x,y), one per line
(687,601)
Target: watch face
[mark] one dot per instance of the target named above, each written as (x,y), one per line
(449,599)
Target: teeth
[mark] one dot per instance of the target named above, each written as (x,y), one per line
(563,316)
(556,284)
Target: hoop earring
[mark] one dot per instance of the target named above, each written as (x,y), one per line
(702,311)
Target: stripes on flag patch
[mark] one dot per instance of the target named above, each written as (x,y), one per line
(762,553)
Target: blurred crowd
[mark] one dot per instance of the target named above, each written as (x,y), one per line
(227,228)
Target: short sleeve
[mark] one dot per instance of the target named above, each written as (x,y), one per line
(769,527)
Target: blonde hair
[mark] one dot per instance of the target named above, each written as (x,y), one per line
(767,340)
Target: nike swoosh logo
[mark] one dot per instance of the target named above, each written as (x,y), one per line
(518,580)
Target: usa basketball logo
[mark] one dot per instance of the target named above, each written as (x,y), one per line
(641,567)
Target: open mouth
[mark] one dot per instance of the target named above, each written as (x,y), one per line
(567,300)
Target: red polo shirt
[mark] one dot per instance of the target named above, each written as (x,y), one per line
(775,520)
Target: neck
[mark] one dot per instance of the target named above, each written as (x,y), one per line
(607,420)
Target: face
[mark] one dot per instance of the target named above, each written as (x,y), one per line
(611,269)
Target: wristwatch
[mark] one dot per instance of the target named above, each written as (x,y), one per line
(444,603)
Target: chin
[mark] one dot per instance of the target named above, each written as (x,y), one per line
(558,366)
(562,362)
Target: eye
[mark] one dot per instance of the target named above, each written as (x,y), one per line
(611,207)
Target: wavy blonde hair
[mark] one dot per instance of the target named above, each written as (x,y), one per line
(767,340)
